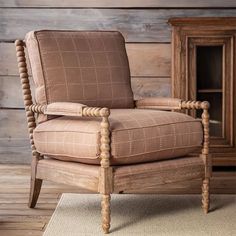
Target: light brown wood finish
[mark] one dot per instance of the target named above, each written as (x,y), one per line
(126,180)
(35,183)
(188,34)
(206,195)
(106,176)
(17,219)
(205,149)
(21,59)
(69,173)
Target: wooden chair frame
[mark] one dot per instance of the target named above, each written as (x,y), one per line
(106,178)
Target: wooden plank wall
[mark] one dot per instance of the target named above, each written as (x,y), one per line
(143,23)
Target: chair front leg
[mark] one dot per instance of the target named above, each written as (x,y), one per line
(105,189)
(206,157)
(106,174)
(106,213)
(207,160)
(206,195)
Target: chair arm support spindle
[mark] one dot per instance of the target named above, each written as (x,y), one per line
(37,108)
(22,67)
(206,136)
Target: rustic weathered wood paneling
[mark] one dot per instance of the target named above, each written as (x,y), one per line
(151,87)
(14,142)
(13,124)
(149,59)
(8,64)
(120,3)
(149,25)
(152,59)
(10,92)
(15,151)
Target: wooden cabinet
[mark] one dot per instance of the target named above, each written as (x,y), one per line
(203,68)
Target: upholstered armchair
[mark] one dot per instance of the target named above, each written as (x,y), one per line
(86,129)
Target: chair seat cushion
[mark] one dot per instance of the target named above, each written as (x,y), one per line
(137,135)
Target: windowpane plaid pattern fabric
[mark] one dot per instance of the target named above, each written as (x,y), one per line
(89,67)
(137,136)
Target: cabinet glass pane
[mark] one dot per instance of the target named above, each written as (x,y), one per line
(209,67)
(209,84)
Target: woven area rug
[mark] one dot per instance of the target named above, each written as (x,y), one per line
(79,214)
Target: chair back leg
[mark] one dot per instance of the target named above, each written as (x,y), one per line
(35,184)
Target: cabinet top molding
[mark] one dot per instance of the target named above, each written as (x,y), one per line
(207,21)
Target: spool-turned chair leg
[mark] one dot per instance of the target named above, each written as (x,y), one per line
(106,213)
(205,195)
(35,185)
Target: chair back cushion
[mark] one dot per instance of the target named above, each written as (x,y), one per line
(89,67)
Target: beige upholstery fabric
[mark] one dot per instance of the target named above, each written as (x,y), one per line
(77,66)
(64,108)
(161,103)
(137,135)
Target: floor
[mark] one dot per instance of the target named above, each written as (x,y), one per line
(16,219)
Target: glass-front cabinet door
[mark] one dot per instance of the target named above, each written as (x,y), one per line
(209,82)
(210,78)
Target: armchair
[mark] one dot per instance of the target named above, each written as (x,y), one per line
(91,134)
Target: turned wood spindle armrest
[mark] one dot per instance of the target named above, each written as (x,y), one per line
(171,104)
(196,105)
(69,109)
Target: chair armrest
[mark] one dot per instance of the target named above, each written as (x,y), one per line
(170,104)
(69,109)
(77,109)
(196,105)
(159,103)
(206,137)
(64,109)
